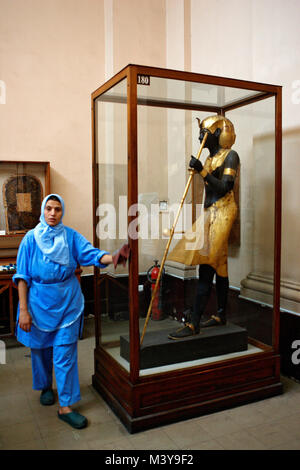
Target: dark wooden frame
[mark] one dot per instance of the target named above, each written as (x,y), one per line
(142,402)
(6,284)
(46,189)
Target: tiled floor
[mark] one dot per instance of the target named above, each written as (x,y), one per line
(273,423)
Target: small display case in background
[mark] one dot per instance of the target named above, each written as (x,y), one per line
(23,186)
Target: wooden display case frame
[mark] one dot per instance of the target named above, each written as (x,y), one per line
(146,401)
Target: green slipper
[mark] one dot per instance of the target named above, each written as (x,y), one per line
(47,397)
(74,419)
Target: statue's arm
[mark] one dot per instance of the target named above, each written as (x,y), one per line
(226,183)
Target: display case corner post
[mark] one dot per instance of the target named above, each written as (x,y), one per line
(278,215)
(133,199)
(95,193)
(95,203)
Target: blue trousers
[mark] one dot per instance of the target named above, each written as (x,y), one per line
(64,360)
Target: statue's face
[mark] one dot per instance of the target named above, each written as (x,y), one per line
(202,133)
(211,138)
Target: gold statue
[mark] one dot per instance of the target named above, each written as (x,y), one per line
(206,243)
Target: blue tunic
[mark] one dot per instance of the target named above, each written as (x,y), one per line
(55,301)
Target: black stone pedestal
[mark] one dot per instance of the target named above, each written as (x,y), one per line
(158,350)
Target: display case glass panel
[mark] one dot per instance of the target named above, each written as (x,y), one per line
(111,210)
(166,139)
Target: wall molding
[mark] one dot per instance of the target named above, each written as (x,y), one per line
(259,287)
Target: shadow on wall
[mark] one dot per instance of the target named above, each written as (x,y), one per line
(290,268)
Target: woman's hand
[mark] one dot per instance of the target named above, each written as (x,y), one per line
(25,320)
(106,259)
(121,255)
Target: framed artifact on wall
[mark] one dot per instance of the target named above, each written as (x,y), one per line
(23,186)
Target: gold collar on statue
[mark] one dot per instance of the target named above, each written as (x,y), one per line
(212,163)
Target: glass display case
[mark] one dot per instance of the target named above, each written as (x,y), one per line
(145,127)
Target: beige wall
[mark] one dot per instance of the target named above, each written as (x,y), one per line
(51,58)
(139,33)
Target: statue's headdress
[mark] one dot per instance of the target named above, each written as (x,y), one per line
(227,136)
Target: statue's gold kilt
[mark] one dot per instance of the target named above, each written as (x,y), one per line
(206,242)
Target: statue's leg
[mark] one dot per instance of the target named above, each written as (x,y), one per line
(206,275)
(222,288)
(222,285)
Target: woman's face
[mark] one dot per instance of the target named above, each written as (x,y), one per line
(53,212)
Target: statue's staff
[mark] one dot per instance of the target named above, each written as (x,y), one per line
(170,239)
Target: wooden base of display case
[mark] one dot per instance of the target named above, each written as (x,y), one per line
(168,397)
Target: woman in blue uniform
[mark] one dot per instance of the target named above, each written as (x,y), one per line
(51,304)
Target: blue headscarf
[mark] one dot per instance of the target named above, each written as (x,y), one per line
(52,241)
